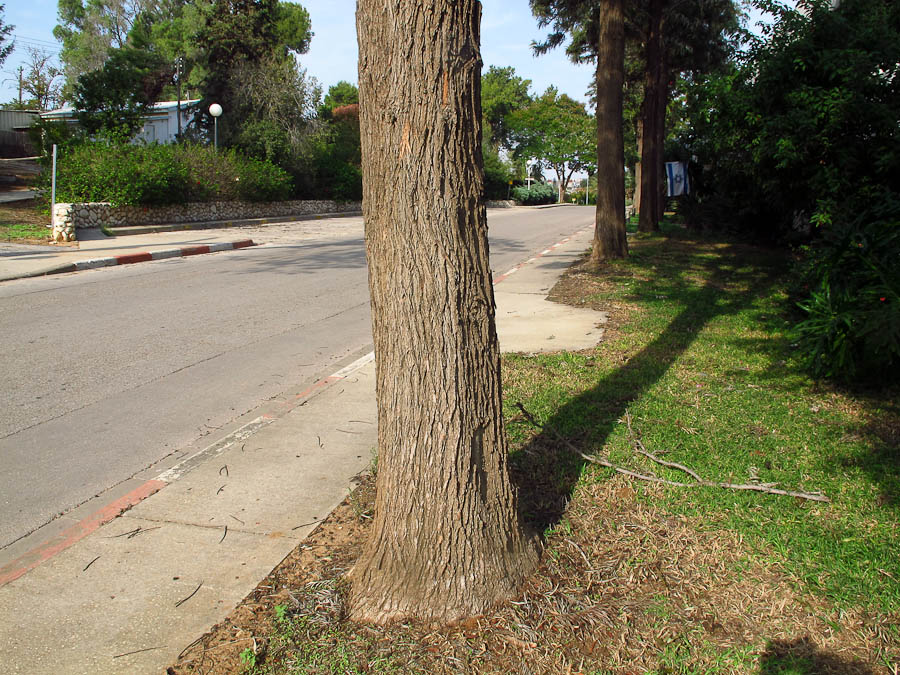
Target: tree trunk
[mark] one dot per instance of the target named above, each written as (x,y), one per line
(446,541)
(609,229)
(651,152)
(661,105)
(636,199)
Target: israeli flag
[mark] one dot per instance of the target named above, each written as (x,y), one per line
(677,175)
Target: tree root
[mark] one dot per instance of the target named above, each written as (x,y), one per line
(767,488)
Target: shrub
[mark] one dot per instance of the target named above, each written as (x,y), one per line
(496,175)
(539,193)
(122,175)
(261,181)
(151,175)
(851,328)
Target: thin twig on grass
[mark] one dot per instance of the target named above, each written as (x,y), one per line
(699,482)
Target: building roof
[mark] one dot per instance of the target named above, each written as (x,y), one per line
(159,107)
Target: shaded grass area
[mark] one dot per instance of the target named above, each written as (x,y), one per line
(638,577)
(24,221)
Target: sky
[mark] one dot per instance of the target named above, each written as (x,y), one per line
(507,30)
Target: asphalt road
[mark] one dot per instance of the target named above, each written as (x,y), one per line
(107,372)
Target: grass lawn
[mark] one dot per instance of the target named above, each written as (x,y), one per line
(697,368)
(24,221)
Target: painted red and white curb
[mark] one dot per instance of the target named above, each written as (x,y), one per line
(27,562)
(537,256)
(146,256)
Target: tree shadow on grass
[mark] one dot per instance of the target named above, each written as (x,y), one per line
(546,470)
(803,657)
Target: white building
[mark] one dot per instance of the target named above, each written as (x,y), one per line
(160,126)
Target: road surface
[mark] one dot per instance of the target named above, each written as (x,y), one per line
(107,372)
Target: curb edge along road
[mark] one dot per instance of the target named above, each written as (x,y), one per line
(86,526)
(130,258)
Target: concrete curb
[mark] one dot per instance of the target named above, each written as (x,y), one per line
(130,258)
(86,526)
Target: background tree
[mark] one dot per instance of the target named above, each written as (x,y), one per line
(42,80)
(341,94)
(88,29)
(502,93)
(445,542)
(686,37)
(596,31)
(241,34)
(6,46)
(115,99)
(557,131)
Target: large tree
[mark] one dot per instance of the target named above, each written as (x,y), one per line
(502,93)
(597,32)
(88,29)
(115,99)
(445,542)
(690,36)
(243,36)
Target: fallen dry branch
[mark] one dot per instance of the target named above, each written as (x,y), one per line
(698,481)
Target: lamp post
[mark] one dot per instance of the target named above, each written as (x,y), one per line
(215,110)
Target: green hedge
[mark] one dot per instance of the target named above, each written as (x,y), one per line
(539,193)
(154,175)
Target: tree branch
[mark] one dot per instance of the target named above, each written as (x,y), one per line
(699,482)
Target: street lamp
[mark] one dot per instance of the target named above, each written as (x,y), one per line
(215,110)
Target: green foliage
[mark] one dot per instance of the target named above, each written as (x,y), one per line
(340,94)
(115,99)
(557,130)
(122,175)
(538,193)
(799,142)
(805,130)
(852,325)
(293,27)
(502,93)
(497,174)
(44,134)
(6,46)
(149,175)
(248,657)
(260,181)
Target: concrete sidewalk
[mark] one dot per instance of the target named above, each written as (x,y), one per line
(124,587)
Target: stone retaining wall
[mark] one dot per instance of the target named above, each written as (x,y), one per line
(95,214)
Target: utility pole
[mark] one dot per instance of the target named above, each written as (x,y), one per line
(20,85)
(178,65)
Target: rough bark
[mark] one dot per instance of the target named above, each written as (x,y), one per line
(636,200)
(446,542)
(662,103)
(609,229)
(654,96)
